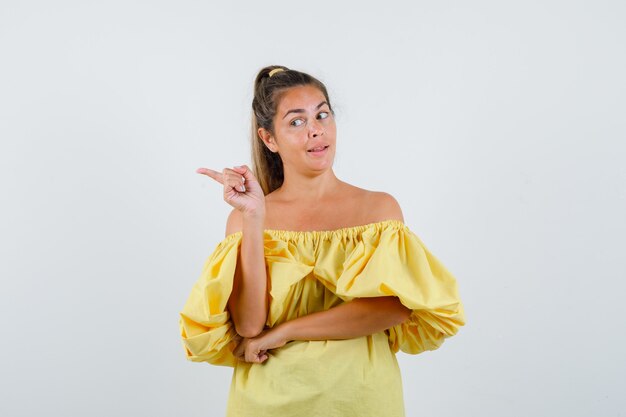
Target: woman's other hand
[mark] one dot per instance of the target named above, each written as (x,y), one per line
(241,188)
(255,349)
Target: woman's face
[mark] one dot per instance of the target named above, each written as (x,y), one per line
(304,130)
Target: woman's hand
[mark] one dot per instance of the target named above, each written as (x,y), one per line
(255,349)
(241,188)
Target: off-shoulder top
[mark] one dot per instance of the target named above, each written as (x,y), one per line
(312,271)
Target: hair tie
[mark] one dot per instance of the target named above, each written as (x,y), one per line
(275,70)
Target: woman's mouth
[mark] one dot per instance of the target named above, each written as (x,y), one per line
(319,150)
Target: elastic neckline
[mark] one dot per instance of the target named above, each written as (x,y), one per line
(350,230)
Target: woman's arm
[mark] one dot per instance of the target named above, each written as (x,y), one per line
(248,300)
(359,317)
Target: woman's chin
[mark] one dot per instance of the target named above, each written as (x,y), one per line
(321,164)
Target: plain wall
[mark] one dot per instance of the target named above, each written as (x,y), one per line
(498,126)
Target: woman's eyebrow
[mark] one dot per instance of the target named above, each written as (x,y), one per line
(302,110)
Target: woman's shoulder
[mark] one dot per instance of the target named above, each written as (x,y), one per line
(381,206)
(378,205)
(234,222)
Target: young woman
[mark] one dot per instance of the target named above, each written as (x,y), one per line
(318,283)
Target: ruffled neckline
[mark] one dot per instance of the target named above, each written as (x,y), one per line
(349,231)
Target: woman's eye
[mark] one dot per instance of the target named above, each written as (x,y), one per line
(294,123)
(324,113)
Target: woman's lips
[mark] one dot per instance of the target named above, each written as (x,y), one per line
(318,152)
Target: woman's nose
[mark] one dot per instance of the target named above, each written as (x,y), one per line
(316,128)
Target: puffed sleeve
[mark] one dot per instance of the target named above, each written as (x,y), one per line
(207,332)
(396,262)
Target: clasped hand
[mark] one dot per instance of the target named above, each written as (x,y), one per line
(255,349)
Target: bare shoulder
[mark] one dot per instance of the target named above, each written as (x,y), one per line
(382,206)
(234,223)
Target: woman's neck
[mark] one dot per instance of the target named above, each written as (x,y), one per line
(303,188)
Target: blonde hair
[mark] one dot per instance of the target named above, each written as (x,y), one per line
(268,90)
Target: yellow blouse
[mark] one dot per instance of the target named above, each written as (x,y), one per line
(313,271)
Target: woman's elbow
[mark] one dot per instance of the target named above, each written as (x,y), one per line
(248,330)
(405,313)
(401,313)
(246,325)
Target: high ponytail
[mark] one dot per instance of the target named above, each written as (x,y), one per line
(267,165)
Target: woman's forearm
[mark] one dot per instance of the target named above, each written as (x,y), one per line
(359,317)
(248,301)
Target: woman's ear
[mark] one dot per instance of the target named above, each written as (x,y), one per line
(268,139)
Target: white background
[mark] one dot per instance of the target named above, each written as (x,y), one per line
(498,126)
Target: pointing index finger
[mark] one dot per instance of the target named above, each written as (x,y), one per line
(217,176)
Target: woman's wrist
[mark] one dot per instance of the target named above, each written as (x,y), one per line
(254,217)
(253,221)
(285,331)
